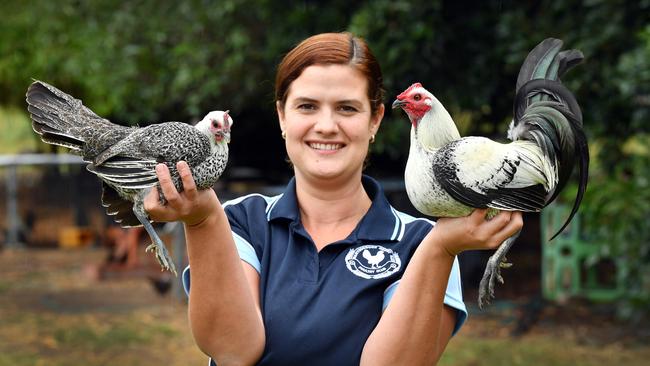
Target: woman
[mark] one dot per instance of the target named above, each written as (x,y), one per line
(326,273)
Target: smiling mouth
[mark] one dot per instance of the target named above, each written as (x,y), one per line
(325,147)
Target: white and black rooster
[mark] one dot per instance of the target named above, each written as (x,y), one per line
(449,176)
(124,158)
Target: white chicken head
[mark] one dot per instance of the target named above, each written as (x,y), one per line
(415,101)
(433,127)
(217,124)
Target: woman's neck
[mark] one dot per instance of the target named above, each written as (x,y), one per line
(331,212)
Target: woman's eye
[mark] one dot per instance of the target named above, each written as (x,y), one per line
(347,109)
(306,107)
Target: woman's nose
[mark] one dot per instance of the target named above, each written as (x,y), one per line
(326,122)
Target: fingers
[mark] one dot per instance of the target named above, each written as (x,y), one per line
(189,186)
(166,185)
(151,201)
(478,216)
(506,224)
(515,224)
(488,228)
(190,205)
(498,222)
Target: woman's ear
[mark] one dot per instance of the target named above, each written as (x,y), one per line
(280,110)
(375,120)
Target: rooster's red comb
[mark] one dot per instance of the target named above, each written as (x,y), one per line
(407,91)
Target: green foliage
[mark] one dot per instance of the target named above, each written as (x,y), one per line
(615,213)
(634,86)
(16,132)
(140,62)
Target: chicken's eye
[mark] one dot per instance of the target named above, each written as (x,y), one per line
(417,97)
(215,124)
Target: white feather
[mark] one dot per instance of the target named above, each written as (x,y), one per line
(485,163)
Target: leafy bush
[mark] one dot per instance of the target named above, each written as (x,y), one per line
(615,214)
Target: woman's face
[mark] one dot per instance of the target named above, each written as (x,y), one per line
(327,121)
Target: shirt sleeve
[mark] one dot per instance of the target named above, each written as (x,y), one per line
(240,234)
(453,295)
(246,253)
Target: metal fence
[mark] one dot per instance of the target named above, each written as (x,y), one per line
(11,163)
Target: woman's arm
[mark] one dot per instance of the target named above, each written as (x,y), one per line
(416,326)
(224,308)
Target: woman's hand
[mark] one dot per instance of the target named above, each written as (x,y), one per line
(192,206)
(459,234)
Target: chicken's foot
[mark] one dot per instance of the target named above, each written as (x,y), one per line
(493,271)
(157,246)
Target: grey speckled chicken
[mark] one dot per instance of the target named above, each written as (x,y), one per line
(124,158)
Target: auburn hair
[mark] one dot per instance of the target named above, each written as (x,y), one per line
(326,49)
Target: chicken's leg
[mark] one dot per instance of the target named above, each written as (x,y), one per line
(493,271)
(157,246)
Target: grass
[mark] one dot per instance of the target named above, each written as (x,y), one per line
(575,334)
(18,359)
(539,350)
(51,314)
(4,287)
(89,339)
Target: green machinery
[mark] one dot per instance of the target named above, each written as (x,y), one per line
(574,267)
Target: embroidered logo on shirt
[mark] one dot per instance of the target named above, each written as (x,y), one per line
(372,261)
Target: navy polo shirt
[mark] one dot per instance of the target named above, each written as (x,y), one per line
(320,307)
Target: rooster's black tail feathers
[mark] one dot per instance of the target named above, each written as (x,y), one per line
(547,113)
(547,62)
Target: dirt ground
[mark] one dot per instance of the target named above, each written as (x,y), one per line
(54,312)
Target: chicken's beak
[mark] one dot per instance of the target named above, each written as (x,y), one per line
(223,135)
(398,103)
